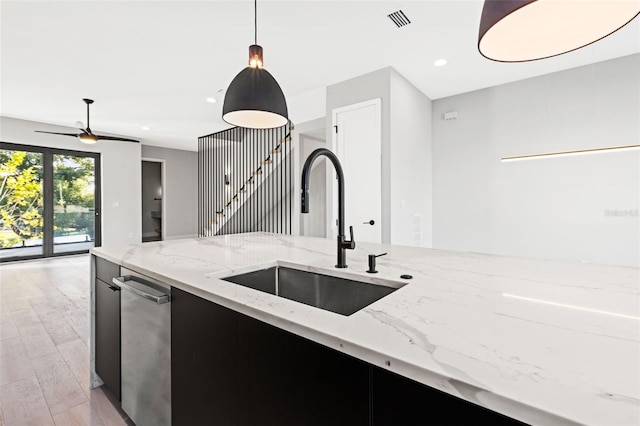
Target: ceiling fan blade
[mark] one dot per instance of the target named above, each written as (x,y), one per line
(75,135)
(112,138)
(87,136)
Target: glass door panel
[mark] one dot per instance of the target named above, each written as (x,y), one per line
(21,204)
(74,213)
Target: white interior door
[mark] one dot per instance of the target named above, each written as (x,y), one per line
(357,143)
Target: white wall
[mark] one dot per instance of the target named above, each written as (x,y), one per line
(180,191)
(307,106)
(121,180)
(410,139)
(550,208)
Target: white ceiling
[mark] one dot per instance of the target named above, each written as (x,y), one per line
(153,63)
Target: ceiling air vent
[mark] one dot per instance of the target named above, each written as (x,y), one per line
(399,18)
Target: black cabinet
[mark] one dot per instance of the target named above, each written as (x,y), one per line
(230,369)
(396,400)
(105,270)
(204,362)
(107,326)
(288,380)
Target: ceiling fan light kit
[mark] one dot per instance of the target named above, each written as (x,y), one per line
(87,138)
(254,98)
(528,30)
(86,135)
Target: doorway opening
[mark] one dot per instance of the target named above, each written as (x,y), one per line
(152,200)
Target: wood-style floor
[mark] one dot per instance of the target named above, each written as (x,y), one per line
(44,346)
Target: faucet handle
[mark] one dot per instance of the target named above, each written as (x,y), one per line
(352,243)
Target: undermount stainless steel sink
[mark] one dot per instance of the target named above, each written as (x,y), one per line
(339,295)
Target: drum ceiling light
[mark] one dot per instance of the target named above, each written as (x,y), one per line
(527,30)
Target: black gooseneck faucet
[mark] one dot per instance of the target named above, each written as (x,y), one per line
(343,244)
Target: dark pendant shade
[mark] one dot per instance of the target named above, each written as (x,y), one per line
(527,30)
(255,100)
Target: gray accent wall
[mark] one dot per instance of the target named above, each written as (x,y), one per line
(180,190)
(579,208)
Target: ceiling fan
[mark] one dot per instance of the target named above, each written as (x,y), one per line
(86,135)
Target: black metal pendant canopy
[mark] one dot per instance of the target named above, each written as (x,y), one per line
(254,98)
(527,30)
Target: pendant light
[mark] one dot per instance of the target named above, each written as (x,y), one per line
(527,30)
(254,98)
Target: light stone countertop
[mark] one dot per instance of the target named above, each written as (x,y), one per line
(546,342)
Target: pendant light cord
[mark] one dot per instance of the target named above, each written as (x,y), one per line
(255,21)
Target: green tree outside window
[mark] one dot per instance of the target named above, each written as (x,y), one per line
(20,197)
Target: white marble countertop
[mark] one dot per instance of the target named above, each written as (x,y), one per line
(545,342)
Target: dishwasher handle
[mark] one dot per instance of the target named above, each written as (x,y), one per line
(134,285)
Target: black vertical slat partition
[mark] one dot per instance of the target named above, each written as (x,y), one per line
(201,231)
(245,181)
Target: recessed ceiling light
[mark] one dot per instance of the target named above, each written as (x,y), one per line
(440,63)
(145,128)
(211,100)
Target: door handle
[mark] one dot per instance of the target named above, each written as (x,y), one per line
(370,222)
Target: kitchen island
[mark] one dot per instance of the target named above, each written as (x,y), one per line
(544,342)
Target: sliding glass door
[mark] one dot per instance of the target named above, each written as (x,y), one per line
(73,203)
(49,201)
(21,203)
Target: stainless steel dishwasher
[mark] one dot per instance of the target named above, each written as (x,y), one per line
(145,323)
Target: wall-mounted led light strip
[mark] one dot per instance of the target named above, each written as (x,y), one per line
(567,153)
(579,308)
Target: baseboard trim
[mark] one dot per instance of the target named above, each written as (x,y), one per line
(180,237)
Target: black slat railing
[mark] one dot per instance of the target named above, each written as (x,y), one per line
(245,182)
